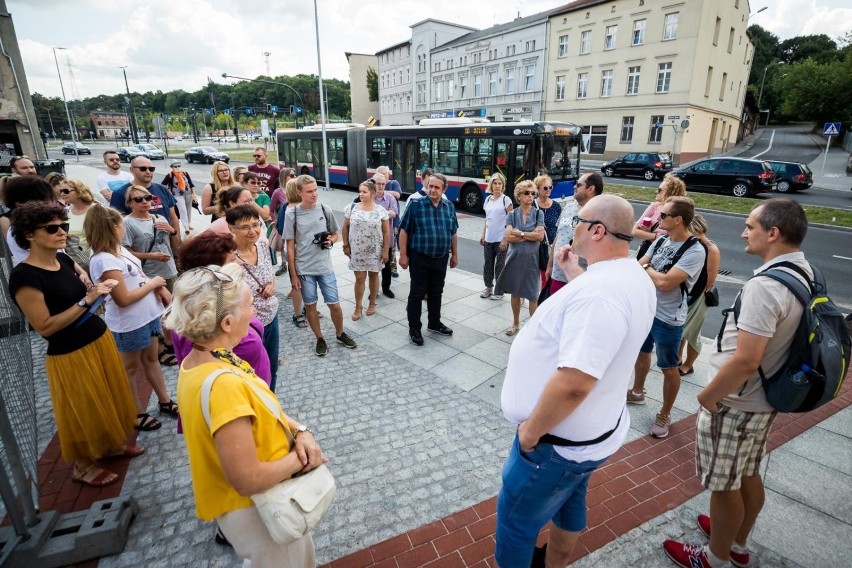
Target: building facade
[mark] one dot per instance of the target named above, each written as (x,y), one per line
(362,107)
(650,75)
(394,74)
(109,124)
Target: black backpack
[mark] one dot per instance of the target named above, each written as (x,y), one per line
(819,354)
(697,290)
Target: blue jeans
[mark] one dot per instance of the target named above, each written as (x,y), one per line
(271,335)
(538,486)
(667,339)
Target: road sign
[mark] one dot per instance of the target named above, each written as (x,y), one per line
(249,111)
(208,111)
(674,117)
(298,110)
(831,129)
(274,108)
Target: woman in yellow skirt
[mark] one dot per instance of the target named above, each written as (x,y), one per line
(92,402)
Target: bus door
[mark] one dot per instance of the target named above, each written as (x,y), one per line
(318,164)
(404,164)
(511,159)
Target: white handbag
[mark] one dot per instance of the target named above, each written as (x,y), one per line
(295,506)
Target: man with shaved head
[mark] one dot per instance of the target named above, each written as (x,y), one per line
(164,204)
(567,369)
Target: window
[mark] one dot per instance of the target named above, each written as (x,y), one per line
(445,154)
(664,77)
(582,85)
(476,157)
(627,129)
(708,81)
(492,83)
(731,35)
(606,83)
(421,94)
(716,30)
(655,134)
(462,87)
(438,90)
(670,26)
(510,50)
(638,32)
(477,85)
(633,80)
(585,42)
(450,89)
(560,88)
(722,88)
(529,77)
(510,81)
(530,45)
(563,46)
(611,34)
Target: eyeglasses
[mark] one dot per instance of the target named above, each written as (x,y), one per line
(220,277)
(534,194)
(145,168)
(143,198)
(659,189)
(223,171)
(53,228)
(246,228)
(292,175)
(592,222)
(257,155)
(113,159)
(66,191)
(253,182)
(547,187)
(664,215)
(176,166)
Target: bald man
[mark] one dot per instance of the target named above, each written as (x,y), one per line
(567,368)
(142,170)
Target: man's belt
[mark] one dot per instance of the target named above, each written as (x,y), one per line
(557,441)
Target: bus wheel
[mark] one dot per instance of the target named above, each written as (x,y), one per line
(471,198)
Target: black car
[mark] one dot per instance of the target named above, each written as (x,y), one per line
(127,153)
(69,148)
(205,154)
(648,165)
(791,176)
(737,176)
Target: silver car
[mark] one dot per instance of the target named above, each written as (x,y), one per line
(152,151)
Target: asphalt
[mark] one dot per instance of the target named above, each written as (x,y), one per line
(416,436)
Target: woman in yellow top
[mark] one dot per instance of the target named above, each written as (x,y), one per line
(245,450)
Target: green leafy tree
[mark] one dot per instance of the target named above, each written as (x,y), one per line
(820,48)
(372,84)
(766,50)
(820,92)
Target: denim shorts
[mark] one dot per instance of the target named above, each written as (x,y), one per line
(138,339)
(667,339)
(327,284)
(538,487)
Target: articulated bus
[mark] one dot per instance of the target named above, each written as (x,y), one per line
(466,153)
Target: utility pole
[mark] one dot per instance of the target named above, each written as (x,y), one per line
(131,116)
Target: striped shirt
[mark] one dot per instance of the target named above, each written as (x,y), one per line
(430,229)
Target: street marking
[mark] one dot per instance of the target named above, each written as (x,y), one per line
(843,257)
(771,138)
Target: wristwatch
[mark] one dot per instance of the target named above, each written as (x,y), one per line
(522,234)
(83,304)
(646,266)
(299,429)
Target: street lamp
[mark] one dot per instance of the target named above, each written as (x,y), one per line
(756,13)
(67,112)
(131,116)
(762,81)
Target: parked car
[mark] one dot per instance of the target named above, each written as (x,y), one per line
(206,154)
(68,148)
(791,176)
(739,177)
(649,165)
(127,153)
(152,151)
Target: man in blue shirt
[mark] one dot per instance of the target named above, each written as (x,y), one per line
(428,239)
(164,202)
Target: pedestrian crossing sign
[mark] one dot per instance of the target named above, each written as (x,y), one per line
(831,129)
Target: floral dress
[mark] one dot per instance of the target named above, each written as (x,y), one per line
(366,239)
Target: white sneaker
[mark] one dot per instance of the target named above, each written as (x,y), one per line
(485,293)
(496,296)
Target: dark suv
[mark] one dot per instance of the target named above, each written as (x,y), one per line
(649,165)
(792,176)
(738,176)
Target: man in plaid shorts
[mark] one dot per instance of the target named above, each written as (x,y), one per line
(735,418)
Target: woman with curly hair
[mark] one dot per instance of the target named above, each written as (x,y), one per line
(91,396)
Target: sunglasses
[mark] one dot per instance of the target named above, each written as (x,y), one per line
(224,171)
(547,187)
(664,215)
(220,277)
(176,167)
(143,198)
(53,228)
(257,155)
(145,168)
(66,191)
(534,194)
(592,222)
(292,175)
(113,160)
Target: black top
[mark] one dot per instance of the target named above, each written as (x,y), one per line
(62,289)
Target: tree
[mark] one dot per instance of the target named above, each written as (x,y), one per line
(820,48)
(820,92)
(372,84)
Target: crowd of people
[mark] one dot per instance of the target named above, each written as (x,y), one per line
(119,285)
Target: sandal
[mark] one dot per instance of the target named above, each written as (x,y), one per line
(128,451)
(170,408)
(300,321)
(371,309)
(93,476)
(513,330)
(148,423)
(221,539)
(167,356)
(357,315)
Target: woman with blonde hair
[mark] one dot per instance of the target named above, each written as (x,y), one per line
(493,238)
(647,227)
(520,276)
(220,178)
(133,308)
(79,198)
(291,192)
(551,209)
(243,448)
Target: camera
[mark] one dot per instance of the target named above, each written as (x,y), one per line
(321,240)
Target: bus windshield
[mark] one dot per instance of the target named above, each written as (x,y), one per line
(557,157)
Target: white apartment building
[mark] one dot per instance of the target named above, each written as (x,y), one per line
(652,75)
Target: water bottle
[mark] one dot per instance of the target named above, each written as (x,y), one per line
(801,377)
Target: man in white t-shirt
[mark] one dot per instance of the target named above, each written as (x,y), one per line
(113,178)
(673,278)
(563,386)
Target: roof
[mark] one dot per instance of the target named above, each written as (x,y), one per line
(577,5)
(441,22)
(498,29)
(394,46)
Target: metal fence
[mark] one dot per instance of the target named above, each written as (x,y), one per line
(847,141)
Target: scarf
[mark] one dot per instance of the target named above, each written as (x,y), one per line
(180,181)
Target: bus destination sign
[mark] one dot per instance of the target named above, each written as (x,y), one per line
(476,131)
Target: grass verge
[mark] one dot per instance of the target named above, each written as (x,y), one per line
(742,205)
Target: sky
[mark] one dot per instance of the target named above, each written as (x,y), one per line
(169,44)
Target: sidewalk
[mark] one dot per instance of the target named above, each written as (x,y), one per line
(417,440)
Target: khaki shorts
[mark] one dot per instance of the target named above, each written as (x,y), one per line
(730,445)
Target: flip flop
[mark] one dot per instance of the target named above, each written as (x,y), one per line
(88,477)
(148,423)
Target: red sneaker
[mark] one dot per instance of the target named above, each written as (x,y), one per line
(686,555)
(739,559)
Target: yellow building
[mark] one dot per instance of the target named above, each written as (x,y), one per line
(650,75)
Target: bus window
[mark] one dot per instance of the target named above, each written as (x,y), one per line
(379,153)
(425,160)
(445,155)
(336,153)
(476,158)
(522,157)
(500,163)
(303,150)
(557,156)
(287,152)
